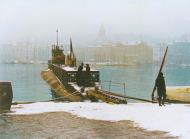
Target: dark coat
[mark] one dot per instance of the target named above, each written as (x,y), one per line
(79,76)
(160,84)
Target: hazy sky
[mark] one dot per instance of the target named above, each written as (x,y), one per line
(37,19)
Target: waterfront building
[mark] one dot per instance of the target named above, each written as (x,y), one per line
(24,53)
(117,54)
(178,53)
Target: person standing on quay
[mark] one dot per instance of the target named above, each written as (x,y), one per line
(161,89)
(79,75)
(87,76)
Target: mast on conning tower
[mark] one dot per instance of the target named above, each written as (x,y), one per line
(71,45)
(57,36)
(71,59)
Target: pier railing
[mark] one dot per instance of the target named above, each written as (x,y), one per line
(112,83)
(115,84)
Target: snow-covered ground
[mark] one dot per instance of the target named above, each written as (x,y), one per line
(173,118)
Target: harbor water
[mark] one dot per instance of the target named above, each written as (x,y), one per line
(139,80)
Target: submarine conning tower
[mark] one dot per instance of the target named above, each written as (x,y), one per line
(58,56)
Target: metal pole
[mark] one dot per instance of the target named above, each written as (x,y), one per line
(124,90)
(101,85)
(57,36)
(109,86)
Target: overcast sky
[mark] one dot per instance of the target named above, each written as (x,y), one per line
(36,19)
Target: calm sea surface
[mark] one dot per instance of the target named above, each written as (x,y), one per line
(28,85)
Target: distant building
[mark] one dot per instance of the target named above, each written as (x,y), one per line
(24,53)
(117,54)
(158,53)
(101,36)
(102,32)
(178,53)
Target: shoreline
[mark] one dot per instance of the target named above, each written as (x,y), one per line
(66,125)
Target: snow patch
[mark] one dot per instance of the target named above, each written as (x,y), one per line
(173,118)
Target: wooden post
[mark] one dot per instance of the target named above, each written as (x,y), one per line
(6,96)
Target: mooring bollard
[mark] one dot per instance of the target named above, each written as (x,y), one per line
(6,96)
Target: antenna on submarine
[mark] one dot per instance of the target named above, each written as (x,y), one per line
(71,45)
(57,36)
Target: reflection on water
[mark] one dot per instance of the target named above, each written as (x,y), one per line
(26,81)
(28,85)
(140,79)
